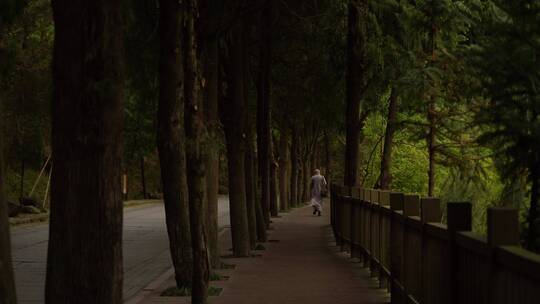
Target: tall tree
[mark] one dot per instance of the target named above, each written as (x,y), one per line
(210,12)
(284,156)
(8,10)
(7,281)
(356,85)
(263,110)
(274,194)
(171,141)
(196,140)
(294,167)
(505,61)
(234,121)
(87,122)
(251,188)
(386,159)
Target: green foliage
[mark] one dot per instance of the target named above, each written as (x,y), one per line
(503,60)
(142,48)
(9,10)
(25,90)
(509,73)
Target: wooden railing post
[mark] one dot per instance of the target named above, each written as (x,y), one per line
(384,238)
(410,266)
(332,208)
(367,227)
(374,230)
(396,249)
(346,218)
(355,222)
(362,232)
(459,219)
(502,227)
(336,208)
(502,230)
(430,212)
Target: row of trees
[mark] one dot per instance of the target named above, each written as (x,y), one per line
(440,99)
(192,80)
(456,79)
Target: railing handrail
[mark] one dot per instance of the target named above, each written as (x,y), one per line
(401,239)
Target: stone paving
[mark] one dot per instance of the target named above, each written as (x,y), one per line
(301,264)
(146,251)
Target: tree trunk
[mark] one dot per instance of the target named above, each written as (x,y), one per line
(431,148)
(143,178)
(306,177)
(264,139)
(431,112)
(171,142)
(251,173)
(283,164)
(7,281)
(23,163)
(195,152)
(356,68)
(262,236)
(314,159)
(84,260)
(294,168)
(235,125)
(274,203)
(386,160)
(327,158)
(251,190)
(534,213)
(211,52)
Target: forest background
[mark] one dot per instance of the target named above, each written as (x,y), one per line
(454,82)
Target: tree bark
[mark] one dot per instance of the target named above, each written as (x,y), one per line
(212,170)
(84,260)
(327,158)
(7,280)
(305,180)
(262,236)
(23,163)
(431,111)
(431,147)
(274,203)
(171,142)
(386,161)
(264,139)
(211,67)
(294,168)
(195,152)
(143,178)
(356,69)
(251,190)
(534,213)
(235,125)
(283,164)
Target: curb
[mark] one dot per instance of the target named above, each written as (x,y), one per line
(28,219)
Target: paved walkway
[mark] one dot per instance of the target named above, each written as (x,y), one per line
(301,264)
(145,244)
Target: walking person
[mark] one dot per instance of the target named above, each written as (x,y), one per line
(318,192)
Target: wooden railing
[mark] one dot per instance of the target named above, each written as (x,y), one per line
(401,240)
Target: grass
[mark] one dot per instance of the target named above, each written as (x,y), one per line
(260,247)
(186,292)
(214,276)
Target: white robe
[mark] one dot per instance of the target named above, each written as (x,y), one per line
(318,184)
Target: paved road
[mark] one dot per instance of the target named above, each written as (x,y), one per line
(146,251)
